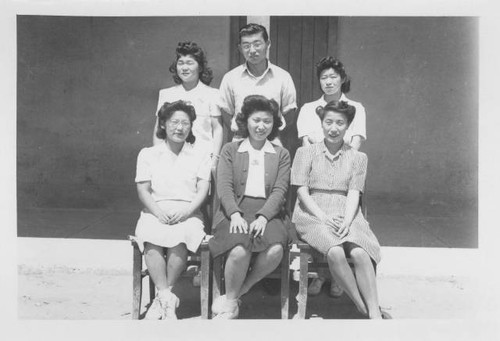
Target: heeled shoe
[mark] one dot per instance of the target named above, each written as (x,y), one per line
(315,286)
(335,290)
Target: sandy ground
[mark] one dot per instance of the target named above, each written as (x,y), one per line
(73,294)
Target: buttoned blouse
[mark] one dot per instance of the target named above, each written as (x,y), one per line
(309,123)
(204,100)
(255,186)
(173,177)
(315,167)
(275,83)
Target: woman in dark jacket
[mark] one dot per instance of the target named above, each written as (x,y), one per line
(252,182)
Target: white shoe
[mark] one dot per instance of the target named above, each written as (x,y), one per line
(169,302)
(155,312)
(225,309)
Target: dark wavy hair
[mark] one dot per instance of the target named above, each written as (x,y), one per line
(250,29)
(332,63)
(190,48)
(254,103)
(340,107)
(165,113)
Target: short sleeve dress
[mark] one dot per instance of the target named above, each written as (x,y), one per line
(329,178)
(173,186)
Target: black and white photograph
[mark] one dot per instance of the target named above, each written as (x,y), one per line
(323,163)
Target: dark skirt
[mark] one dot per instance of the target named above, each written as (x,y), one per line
(276,231)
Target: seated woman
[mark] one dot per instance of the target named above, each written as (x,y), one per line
(334,83)
(252,181)
(330,176)
(172,182)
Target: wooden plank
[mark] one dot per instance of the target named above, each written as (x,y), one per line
(320,49)
(235,57)
(307,73)
(283,47)
(273,35)
(333,30)
(295,58)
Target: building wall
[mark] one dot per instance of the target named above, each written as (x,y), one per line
(418,80)
(87,93)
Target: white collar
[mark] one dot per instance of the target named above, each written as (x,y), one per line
(245,146)
(322,100)
(164,149)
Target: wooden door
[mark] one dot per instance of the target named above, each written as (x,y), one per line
(297,44)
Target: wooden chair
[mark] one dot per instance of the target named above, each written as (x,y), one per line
(200,259)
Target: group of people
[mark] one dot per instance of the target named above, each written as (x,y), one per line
(251,226)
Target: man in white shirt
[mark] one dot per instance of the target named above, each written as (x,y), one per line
(258,76)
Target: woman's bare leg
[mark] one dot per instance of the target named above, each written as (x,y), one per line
(367,283)
(342,273)
(157,266)
(176,263)
(264,264)
(235,271)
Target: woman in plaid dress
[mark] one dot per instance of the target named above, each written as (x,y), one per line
(330,176)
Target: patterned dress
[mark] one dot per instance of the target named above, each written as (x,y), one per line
(329,178)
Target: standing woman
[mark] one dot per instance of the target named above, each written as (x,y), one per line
(330,176)
(334,83)
(252,181)
(172,182)
(192,75)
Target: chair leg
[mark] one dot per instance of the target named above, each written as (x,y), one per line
(136,283)
(217,278)
(205,283)
(285,283)
(152,289)
(302,296)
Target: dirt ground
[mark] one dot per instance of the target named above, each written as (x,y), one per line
(73,294)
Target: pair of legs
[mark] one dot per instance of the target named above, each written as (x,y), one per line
(237,281)
(361,287)
(165,272)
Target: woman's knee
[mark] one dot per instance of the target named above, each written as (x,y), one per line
(359,256)
(275,251)
(238,252)
(335,254)
(152,250)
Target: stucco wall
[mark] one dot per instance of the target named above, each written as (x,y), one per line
(418,80)
(87,92)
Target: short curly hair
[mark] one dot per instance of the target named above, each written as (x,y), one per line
(192,49)
(329,62)
(165,113)
(341,107)
(254,103)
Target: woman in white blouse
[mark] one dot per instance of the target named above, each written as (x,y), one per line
(192,76)
(172,182)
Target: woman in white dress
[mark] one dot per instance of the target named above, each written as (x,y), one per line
(172,183)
